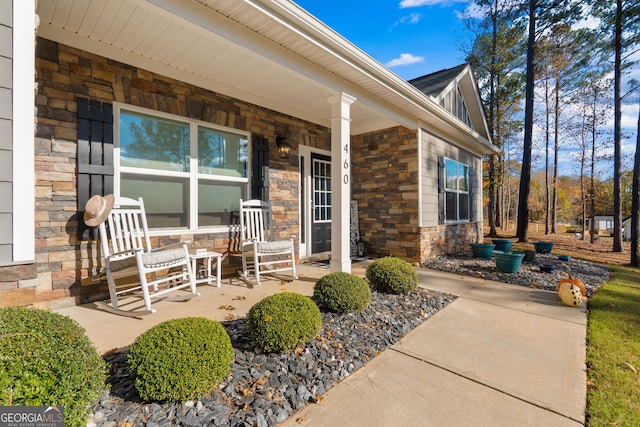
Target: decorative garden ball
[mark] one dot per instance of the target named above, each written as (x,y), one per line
(570,294)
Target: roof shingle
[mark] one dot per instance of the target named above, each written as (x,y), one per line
(433,84)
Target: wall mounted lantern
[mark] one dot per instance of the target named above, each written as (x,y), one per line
(283,148)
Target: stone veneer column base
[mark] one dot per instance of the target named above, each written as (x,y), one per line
(448,239)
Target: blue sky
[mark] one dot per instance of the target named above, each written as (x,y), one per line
(411,37)
(418,37)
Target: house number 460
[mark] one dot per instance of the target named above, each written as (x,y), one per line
(345,166)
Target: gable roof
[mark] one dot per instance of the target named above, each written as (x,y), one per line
(271,53)
(433,84)
(437,85)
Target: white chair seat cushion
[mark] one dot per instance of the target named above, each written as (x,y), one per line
(163,257)
(274,247)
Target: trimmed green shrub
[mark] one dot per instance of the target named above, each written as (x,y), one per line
(46,359)
(342,292)
(392,275)
(180,359)
(282,321)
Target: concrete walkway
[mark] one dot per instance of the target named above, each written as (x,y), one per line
(500,355)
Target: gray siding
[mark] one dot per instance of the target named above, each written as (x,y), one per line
(432,148)
(6,137)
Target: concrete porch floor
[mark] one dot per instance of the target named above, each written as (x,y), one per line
(233,298)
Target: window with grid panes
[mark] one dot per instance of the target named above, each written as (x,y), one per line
(190,174)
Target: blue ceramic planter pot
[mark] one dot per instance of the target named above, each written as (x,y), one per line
(502,244)
(543,247)
(548,268)
(529,256)
(508,262)
(482,250)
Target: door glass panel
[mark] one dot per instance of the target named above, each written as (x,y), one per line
(322,190)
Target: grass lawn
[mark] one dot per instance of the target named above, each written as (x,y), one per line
(613,351)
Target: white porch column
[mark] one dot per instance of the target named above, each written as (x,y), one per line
(340,181)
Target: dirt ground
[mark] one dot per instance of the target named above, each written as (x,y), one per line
(569,244)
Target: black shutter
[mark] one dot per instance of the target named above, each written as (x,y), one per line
(441,192)
(95,155)
(260,168)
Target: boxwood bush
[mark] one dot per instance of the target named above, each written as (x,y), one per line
(180,359)
(342,292)
(282,321)
(392,275)
(46,359)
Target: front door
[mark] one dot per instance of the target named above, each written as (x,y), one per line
(321,203)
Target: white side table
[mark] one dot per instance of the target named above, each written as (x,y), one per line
(206,256)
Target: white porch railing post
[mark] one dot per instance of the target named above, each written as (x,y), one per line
(340,181)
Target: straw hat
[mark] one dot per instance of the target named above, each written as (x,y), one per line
(97,209)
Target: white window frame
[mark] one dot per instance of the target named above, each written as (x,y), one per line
(457,192)
(193,175)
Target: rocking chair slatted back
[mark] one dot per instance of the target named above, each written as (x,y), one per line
(128,226)
(255,223)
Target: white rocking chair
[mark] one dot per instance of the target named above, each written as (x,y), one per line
(129,249)
(260,253)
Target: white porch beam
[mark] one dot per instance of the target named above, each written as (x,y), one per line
(340,181)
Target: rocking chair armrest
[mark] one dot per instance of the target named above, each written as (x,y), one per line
(172,245)
(128,251)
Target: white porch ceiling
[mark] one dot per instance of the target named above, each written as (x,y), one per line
(267,52)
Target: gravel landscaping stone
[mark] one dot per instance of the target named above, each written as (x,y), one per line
(530,275)
(265,389)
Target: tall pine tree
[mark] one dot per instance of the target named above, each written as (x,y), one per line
(496,57)
(542,14)
(620,24)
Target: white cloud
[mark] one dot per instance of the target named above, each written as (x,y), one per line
(404,59)
(589,22)
(417,3)
(412,18)
(629,119)
(472,11)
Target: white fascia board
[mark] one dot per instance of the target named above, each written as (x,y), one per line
(24,18)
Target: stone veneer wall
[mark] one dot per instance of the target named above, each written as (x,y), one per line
(66,266)
(448,239)
(385,185)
